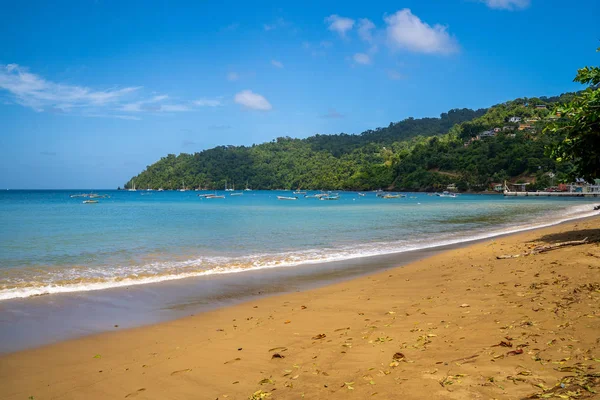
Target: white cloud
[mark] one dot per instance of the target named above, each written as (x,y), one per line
(208,102)
(406,30)
(365,27)
(251,100)
(507,4)
(277,64)
(233,76)
(362,58)
(338,24)
(31,90)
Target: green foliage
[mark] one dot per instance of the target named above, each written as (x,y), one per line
(414,154)
(577,133)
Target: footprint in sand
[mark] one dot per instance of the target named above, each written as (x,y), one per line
(133,394)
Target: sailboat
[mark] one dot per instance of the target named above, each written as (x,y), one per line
(227,189)
(183,189)
(148,190)
(132,190)
(247,188)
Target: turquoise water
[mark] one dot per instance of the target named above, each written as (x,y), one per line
(52,243)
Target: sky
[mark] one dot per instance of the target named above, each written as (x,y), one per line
(91,92)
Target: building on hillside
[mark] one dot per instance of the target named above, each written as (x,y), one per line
(489,133)
(509,128)
(451,187)
(497,130)
(519,187)
(497,187)
(541,107)
(514,119)
(523,127)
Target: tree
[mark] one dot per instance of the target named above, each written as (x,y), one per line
(577,132)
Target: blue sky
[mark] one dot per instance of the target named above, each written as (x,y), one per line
(93,91)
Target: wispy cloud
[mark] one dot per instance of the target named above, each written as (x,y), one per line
(338,24)
(332,114)
(279,23)
(204,102)
(33,91)
(365,28)
(395,75)
(317,49)
(233,76)
(277,64)
(406,30)
(507,4)
(252,101)
(362,58)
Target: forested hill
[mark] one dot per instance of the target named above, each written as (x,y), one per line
(414,154)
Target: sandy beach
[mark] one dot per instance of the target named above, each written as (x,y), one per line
(459,325)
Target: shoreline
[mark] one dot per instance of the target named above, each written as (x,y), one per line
(473,237)
(443,314)
(32,322)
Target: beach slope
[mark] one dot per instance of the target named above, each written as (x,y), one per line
(462,324)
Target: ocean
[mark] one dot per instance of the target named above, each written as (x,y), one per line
(52,243)
(128,257)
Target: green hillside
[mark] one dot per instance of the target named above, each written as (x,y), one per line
(414,154)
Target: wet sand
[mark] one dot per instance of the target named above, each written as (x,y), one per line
(461,324)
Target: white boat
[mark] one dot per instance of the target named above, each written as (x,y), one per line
(90,201)
(214,196)
(229,189)
(362,194)
(148,190)
(183,189)
(236,194)
(287,198)
(132,189)
(446,194)
(327,197)
(247,188)
(299,192)
(391,196)
(161,189)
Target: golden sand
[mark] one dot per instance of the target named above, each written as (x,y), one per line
(459,325)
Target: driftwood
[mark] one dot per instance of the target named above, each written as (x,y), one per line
(543,249)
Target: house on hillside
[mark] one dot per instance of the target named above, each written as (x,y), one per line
(497,130)
(451,187)
(497,187)
(541,107)
(489,133)
(523,127)
(514,119)
(519,187)
(509,128)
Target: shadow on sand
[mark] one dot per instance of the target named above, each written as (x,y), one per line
(593,235)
